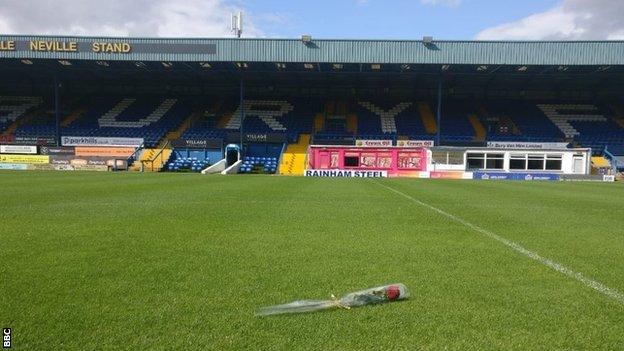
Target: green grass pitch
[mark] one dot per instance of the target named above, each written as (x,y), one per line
(182,261)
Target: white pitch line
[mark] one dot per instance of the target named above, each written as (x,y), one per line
(598,286)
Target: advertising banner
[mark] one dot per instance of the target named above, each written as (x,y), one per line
(40,167)
(515,176)
(257,137)
(18,149)
(61,150)
(122,152)
(415,143)
(525,145)
(100,141)
(88,161)
(447,175)
(22,140)
(64,167)
(31,159)
(14,166)
(197,143)
(97,168)
(341,173)
(373,143)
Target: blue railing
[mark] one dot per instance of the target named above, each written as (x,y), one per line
(615,162)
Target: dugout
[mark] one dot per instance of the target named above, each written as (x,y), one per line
(394,161)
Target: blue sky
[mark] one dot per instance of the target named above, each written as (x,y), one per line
(401,19)
(358,19)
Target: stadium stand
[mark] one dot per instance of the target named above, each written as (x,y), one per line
(147,117)
(159,119)
(253,164)
(455,126)
(190,164)
(563,114)
(532,124)
(13,108)
(416,122)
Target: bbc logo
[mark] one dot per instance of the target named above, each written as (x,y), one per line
(6,338)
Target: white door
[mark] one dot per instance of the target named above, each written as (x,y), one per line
(578,165)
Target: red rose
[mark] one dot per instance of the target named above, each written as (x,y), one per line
(393,292)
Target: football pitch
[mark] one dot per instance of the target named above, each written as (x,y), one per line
(183,261)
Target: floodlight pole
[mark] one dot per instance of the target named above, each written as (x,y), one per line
(57,114)
(439,112)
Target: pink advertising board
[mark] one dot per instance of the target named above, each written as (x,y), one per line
(396,161)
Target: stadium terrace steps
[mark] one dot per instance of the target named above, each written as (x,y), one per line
(478,127)
(352,123)
(319,122)
(224,121)
(177,133)
(73,117)
(294,157)
(153,160)
(427,118)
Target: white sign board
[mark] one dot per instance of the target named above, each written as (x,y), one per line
(100,141)
(525,145)
(18,149)
(343,173)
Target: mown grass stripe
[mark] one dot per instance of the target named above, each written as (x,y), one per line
(596,285)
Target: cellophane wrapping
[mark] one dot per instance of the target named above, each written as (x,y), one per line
(380,294)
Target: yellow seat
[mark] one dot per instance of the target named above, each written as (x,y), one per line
(600,162)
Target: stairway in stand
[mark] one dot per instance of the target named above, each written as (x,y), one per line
(427,118)
(478,127)
(72,117)
(293,159)
(153,159)
(177,133)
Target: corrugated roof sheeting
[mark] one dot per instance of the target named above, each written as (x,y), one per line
(351,51)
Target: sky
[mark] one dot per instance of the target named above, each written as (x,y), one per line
(337,19)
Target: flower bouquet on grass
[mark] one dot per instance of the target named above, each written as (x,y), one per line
(386,293)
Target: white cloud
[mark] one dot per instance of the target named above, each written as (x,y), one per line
(450,3)
(158,18)
(570,20)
